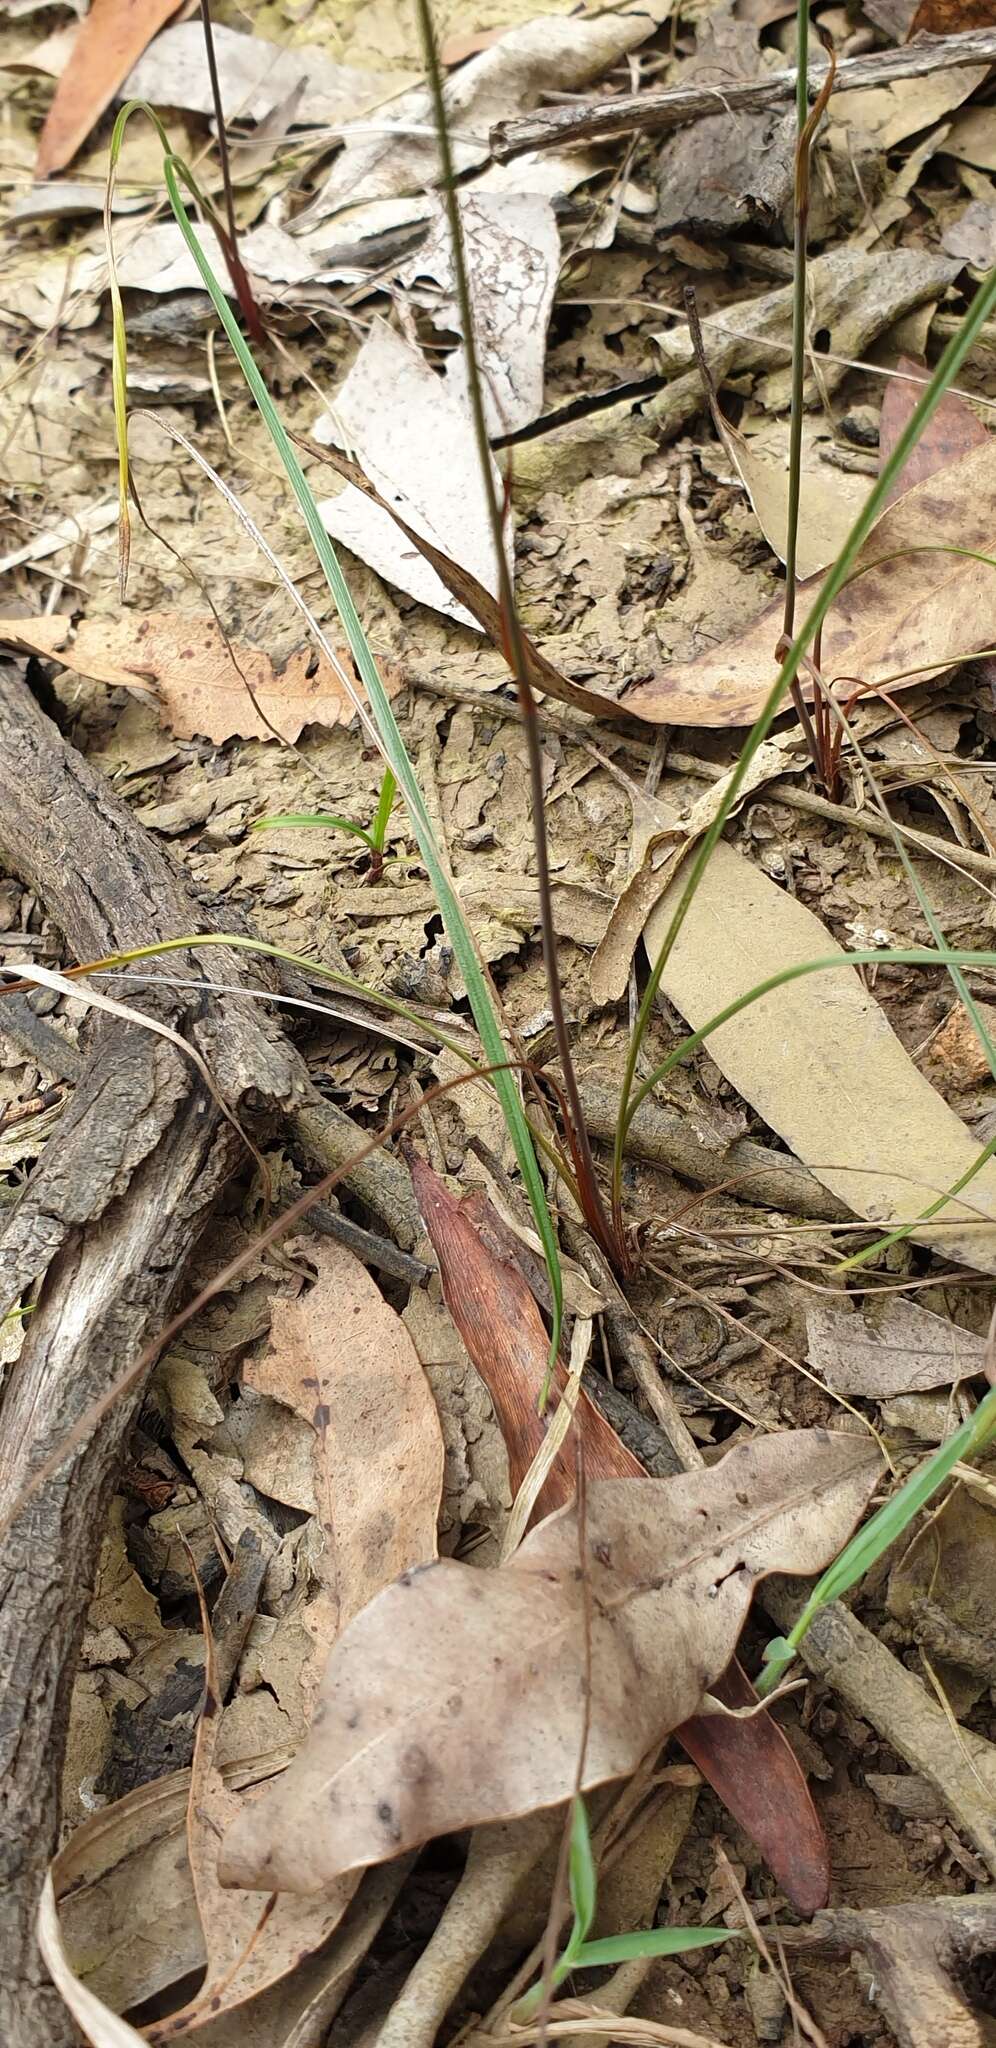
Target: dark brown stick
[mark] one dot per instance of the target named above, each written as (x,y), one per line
(595,120)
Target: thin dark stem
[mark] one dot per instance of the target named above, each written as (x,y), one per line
(598,1221)
(243,289)
(806,125)
(798,314)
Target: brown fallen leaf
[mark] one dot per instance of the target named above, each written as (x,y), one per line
(951,17)
(914,611)
(341,1359)
(110,41)
(952,432)
(181,659)
(250,1944)
(895,1347)
(502,1329)
(749,1763)
(456,1696)
(830,500)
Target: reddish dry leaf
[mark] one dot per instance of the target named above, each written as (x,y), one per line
(951,17)
(914,608)
(111,40)
(502,1329)
(953,431)
(749,1763)
(456,1696)
(183,661)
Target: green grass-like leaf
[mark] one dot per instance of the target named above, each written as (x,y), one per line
(392,743)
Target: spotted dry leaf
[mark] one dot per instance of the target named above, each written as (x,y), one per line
(457,1695)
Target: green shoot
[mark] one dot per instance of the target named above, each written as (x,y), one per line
(392,744)
(879,1534)
(582,1954)
(328,821)
(373,836)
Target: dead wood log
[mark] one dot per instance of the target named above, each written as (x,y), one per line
(103,1229)
(916,1954)
(595,120)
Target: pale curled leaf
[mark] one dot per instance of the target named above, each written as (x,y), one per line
(527,61)
(455,1697)
(663,857)
(102,2027)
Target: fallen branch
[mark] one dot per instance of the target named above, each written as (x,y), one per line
(596,120)
(914,1952)
(102,1230)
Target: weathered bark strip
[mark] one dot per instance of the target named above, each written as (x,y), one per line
(108,1218)
(916,1954)
(595,120)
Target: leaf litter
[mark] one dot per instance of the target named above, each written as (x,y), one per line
(640,562)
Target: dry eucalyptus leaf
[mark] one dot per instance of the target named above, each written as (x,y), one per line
(255,76)
(113,35)
(830,498)
(183,662)
(972,138)
(889,113)
(456,1696)
(914,611)
(665,851)
(531,59)
(249,1943)
(512,250)
(951,433)
(127,1914)
(341,1358)
(414,437)
(894,1347)
(842,1092)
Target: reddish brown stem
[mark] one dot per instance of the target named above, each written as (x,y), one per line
(230,242)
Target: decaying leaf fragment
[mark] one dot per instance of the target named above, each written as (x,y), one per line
(342,1359)
(457,1695)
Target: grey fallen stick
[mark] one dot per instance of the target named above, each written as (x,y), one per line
(596,120)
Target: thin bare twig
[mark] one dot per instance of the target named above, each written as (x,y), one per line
(595,120)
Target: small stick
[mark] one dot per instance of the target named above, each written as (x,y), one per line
(595,120)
